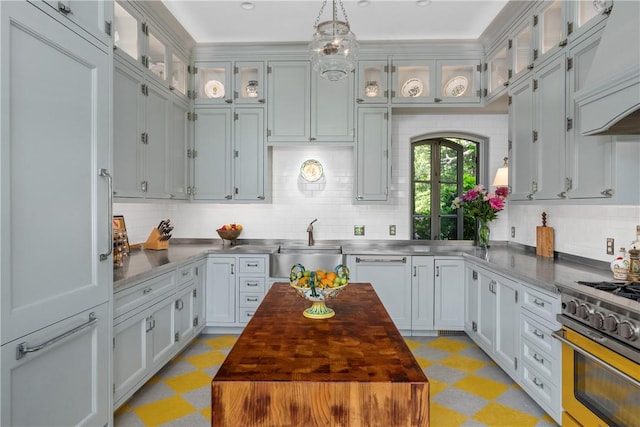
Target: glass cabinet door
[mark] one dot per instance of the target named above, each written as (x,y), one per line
(178,74)
(156,58)
(249,83)
(522,46)
(127,33)
(213,83)
(372,82)
(413,81)
(585,14)
(551,27)
(498,70)
(459,81)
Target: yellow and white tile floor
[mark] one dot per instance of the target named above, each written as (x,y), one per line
(467,388)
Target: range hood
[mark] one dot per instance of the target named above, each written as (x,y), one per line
(609,101)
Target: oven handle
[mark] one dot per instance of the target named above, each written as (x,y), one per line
(560,336)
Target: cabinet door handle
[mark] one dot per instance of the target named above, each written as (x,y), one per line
(538,358)
(147,291)
(105,174)
(232,266)
(64,8)
(23,348)
(415,271)
(437,271)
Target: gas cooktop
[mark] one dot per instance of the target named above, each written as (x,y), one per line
(630,290)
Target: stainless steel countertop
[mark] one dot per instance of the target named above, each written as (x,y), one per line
(513,260)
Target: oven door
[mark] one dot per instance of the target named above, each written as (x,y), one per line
(599,386)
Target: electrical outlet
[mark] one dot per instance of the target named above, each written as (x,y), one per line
(392,230)
(358,230)
(513,232)
(610,244)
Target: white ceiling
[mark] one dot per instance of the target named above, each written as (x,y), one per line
(224,21)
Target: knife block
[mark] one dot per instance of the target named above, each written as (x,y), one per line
(153,241)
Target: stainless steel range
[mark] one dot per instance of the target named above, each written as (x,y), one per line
(600,353)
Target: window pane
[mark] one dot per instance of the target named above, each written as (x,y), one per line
(422,198)
(448,164)
(448,227)
(448,192)
(422,227)
(422,162)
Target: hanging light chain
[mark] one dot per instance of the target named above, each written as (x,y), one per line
(335,12)
(324,3)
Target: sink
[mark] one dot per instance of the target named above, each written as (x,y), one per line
(324,257)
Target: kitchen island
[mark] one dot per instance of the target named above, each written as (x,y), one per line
(352,369)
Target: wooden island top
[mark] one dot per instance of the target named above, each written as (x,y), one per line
(353,369)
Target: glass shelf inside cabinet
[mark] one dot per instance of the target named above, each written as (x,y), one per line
(552,26)
(157,57)
(498,70)
(458,81)
(125,35)
(178,75)
(249,82)
(522,49)
(212,82)
(412,82)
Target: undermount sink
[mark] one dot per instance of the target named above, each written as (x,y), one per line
(324,257)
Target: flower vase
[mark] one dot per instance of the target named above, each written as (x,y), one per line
(483,234)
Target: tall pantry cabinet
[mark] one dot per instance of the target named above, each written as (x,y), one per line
(55,213)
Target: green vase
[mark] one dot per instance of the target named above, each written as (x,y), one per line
(483,234)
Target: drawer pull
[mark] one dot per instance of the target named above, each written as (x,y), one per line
(402,260)
(252,299)
(537,302)
(538,358)
(249,314)
(253,284)
(147,291)
(538,334)
(23,349)
(185,273)
(539,384)
(252,264)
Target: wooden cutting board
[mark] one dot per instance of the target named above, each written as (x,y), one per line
(544,238)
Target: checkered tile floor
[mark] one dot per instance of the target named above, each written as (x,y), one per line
(466,387)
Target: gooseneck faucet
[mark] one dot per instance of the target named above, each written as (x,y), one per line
(310,231)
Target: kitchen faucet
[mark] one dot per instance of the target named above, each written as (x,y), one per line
(310,231)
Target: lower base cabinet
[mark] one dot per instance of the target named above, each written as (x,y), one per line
(448,312)
(38,383)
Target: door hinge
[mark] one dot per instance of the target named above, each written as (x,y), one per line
(515,363)
(177,336)
(535,20)
(474,326)
(189,190)
(509,73)
(535,84)
(235,70)
(534,187)
(195,321)
(144,89)
(192,94)
(569,28)
(235,190)
(534,135)
(563,43)
(235,116)
(385,68)
(485,92)
(192,69)
(114,343)
(509,145)
(235,155)
(569,63)
(386,116)
(475,275)
(269,69)
(195,291)
(568,184)
(192,117)
(510,100)
(143,186)
(569,123)
(143,27)
(114,389)
(479,68)
(510,44)
(268,132)
(393,68)
(516,296)
(535,54)
(107,28)
(144,138)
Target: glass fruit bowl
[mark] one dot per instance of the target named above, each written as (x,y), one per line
(318,286)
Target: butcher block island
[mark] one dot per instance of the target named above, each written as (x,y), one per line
(353,369)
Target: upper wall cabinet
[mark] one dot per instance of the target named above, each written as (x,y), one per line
(303,107)
(227,82)
(582,15)
(373,82)
(497,70)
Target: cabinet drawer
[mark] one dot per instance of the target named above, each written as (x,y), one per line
(541,360)
(143,293)
(245,315)
(251,284)
(544,305)
(251,265)
(543,390)
(539,335)
(249,300)
(186,273)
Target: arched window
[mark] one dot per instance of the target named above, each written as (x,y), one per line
(442,168)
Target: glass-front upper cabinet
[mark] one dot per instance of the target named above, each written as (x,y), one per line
(522,49)
(373,85)
(178,74)
(156,57)
(127,34)
(413,81)
(551,22)
(584,14)
(213,83)
(459,81)
(249,83)
(497,70)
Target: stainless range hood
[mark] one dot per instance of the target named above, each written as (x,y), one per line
(609,102)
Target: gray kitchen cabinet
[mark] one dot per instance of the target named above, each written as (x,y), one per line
(497,71)
(422,293)
(391,279)
(448,310)
(221,291)
(413,81)
(521,46)
(471,303)
(229,82)
(590,158)
(373,165)
(303,107)
(373,82)
(177,179)
(189,302)
(55,292)
(252,272)
(230,161)
(522,151)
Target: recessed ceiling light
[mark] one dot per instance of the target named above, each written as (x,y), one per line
(363,3)
(423,2)
(247,5)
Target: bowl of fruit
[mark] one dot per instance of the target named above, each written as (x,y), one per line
(229,231)
(318,286)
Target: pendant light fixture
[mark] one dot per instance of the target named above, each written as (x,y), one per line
(334,47)
(502,175)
